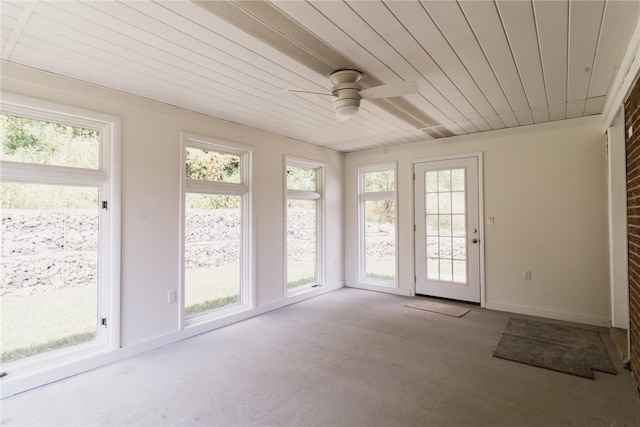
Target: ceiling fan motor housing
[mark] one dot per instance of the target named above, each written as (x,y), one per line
(346,91)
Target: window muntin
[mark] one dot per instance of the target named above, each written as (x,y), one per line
(32,141)
(377,212)
(303,225)
(216,228)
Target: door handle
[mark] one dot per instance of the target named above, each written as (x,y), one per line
(474,240)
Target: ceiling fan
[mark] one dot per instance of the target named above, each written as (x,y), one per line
(347,92)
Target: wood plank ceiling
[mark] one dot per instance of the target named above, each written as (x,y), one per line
(479,65)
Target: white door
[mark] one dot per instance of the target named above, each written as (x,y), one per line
(447,231)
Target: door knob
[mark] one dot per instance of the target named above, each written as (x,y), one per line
(474,240)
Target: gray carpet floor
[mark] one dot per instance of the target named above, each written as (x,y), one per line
(347,358)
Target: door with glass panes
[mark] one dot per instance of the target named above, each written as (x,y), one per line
(447,231)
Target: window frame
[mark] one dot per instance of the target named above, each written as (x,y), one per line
(242,189)
(318,196)
(363,197)
(107,179)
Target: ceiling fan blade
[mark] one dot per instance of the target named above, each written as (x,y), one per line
(304,92)
(389,90)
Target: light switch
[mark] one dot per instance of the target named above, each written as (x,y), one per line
(490,220)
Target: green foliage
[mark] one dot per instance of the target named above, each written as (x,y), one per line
(379,181)
(55,344)
(212,201)
(207,165)
(211,304)
(35,196)
(35,141)
(301,178)
(301,282)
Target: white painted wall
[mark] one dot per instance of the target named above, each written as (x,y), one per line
(150,199)
(546,187)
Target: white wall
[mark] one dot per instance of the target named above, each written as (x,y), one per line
(546,187)
(150,198)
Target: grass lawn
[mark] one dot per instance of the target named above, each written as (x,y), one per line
(300,273)
(33,324)
(209,288)
(381,270)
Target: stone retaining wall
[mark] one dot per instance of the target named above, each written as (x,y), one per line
(53,249)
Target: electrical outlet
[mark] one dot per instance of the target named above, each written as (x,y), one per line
(526,274)
(172,297)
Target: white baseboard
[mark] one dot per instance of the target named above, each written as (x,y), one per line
(557,315)
(21,382)
(380,288)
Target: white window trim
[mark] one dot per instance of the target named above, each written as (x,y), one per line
(45,368)
(243,189)
(320,221)
(370,196)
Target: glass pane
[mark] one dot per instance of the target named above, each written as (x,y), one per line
(458,225)
(433,268)
(457,202)
(380,241)
(379,181)
(35,141)
(432,247)
(457,180)
(431,181)
(445,225)
(301,178)
(433,225)
(208,165)
(49,268)
(431,201)
(444,203)
(301,243)
(460,271)
(459,248)
(444,180)
(445,248)
(445,270)
(213,226)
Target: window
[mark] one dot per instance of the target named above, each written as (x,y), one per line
(378,224)
(215,200)
(59,289)
(304,183)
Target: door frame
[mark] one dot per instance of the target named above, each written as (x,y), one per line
(481,218)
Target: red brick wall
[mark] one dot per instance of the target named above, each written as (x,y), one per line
(632,118)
